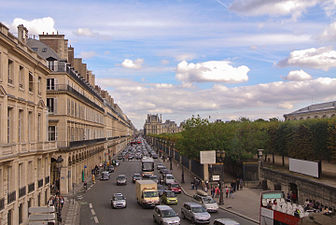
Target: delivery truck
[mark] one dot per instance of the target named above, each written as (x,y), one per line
(146,193)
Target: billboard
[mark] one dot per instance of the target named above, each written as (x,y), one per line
(208,157)
(305,167)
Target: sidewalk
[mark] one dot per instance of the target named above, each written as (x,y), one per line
(71,209)
(244,203)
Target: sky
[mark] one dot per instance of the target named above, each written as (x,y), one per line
(220,59)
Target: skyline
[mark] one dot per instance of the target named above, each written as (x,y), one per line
(223,59)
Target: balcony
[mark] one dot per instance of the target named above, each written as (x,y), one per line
(40,183)
(31,187)
(86,142)
(46,180)
(11,197)
(2,203)
(22,191)
(67,88)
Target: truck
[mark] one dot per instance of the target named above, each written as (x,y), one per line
(147,193)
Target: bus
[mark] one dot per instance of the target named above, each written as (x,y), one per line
(147,166)
(275,210)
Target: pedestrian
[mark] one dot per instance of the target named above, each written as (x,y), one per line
(212,191)
(241,183)
(237,183)
(226,192)
(217,191)
(61,201)
(192,185)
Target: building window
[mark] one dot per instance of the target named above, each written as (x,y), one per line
(20,213)
(39,127)
(10,217)
(51,65)
(35,49)
(10,71)
(20,126)
(51,105)
(31,82)
(21,77)
(52,133)
(29,203)
(9,125)
(20,176)
(44,49)
(30,124)
(39,199)
(39,85)
(50,84)
(9,179)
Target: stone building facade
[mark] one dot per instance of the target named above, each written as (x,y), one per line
(56,124)
(315,111)
(154,125)
(25,152)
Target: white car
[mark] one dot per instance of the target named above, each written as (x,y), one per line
(165,215)
(169,178)
(206,201)
(118,201)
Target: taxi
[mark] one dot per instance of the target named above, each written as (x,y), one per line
(168,197)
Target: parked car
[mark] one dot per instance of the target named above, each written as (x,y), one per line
(175,187)
(225,221)
(121,179)
(164,214)
(110,169)
(195,212)
(118,201)
(168,197)
(105,175)
(136,176)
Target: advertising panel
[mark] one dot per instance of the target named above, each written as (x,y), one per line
(208,157)
(309,168)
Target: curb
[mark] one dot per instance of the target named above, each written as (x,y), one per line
(228,210)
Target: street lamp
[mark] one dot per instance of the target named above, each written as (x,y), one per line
(260,154)
(182,175)
(170,156)
(220,155)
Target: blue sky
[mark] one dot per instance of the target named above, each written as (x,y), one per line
(224,59)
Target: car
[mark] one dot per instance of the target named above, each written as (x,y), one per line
(169,198)
(121,179)
(105,175)
(164,214)
(175,187)
(154,156)
(164,171)
(225,221)
(120,157)
(118,201)
(136,176)
(154,178)
(207,201)
(117,163)
(160,166)
(161,189)
(169,178)
(110,169)
(195,212)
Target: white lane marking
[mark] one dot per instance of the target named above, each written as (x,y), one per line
(90,205)
(96,219)
(93,212)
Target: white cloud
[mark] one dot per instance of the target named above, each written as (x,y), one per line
(35,26)
(211,71)
(84,32)
(329,34)
(319,58)
(87,55)
(255,101)
(298,75)
(130,64)
(294,8)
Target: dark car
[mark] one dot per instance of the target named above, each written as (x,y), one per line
(154,156)
(136,176)
(164,171)
(121,179)
(160,166)
(120,157)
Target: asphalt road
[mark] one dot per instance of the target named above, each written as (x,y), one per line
(96,207)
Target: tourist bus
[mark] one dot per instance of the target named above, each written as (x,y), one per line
(147,166)
(280,213)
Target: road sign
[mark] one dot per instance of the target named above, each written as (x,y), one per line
(215,177)
(208,157)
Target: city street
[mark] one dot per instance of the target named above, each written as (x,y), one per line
(96,208)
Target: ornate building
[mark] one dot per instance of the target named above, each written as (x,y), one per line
(154,125)
(321,110)
(56,124)
(25,151)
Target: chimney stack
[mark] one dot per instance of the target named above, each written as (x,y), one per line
(22,34)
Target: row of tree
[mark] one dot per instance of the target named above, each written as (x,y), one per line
(313,139)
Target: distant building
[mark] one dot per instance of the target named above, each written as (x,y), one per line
(315,111)
(154,125)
